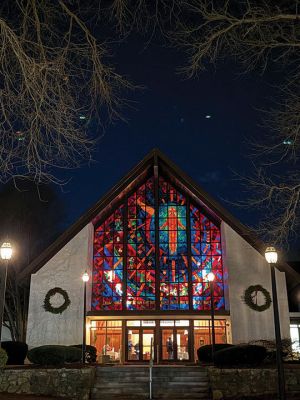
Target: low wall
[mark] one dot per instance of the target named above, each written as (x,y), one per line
(72,383)
(232,383)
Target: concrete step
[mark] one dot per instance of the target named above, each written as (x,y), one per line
(132,383)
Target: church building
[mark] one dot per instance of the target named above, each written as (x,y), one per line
(148,246)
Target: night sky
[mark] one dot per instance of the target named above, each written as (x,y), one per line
(170,114)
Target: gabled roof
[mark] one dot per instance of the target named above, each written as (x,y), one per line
(155,159)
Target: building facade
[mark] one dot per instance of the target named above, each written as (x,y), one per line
(148,246)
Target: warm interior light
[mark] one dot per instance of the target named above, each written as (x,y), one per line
(210,276)
(85,277)
(6,251)
(271,255)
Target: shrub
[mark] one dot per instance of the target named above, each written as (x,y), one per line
(3,358)
(205,352)
(72,354)
(16,351)
(90,352)
(270,345)
(53,355)
(241,355)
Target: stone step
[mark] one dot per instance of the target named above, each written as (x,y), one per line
(186,396)
(167,378)
(145,396)
(189,384)
(122,389)
(128,384)
(169,383)
(164,371)
(146,366)
(129,379)
(117,397)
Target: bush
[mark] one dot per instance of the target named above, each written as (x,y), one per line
(240,355)
(54,355)
(3,358)
(16,351)
(270,345)
(205,352)
(90,352)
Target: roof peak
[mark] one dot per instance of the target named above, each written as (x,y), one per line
(139,172)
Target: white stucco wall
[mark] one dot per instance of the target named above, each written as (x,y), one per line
(245,267)
(63,270)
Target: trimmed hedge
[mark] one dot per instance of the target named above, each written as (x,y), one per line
(16,351)
(90,352)
(54,355)
(240,355)
(3,358)
(205,352)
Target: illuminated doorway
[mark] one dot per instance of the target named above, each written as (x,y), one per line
(175,341)
(139,336)
(106,336)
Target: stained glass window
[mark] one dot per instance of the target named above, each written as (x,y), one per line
(206,257)
(125,254)
(141,249)
(108,263)
(172,248)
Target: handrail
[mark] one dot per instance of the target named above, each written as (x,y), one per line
(150,369)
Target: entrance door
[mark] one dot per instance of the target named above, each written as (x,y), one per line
(174,343)
(138,344)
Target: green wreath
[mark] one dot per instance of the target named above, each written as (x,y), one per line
(56,310)
(251,293)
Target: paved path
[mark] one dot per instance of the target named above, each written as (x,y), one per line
(9,396)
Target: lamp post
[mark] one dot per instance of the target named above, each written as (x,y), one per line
(271,257)
(211,278)
(85,277)
(6,253)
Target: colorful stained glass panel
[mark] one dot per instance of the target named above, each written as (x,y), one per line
(108,263)
(140,294)
(206,257)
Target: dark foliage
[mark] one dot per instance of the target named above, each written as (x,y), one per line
(270,345)
(90,352)
(205,352)
(54,355)
(240,355)
(16,351)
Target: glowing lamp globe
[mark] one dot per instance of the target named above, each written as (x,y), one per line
(6,251)
(271,255)
(210,276)
(85,277)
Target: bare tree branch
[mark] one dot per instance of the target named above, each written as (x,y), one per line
(53,81)
(257,34)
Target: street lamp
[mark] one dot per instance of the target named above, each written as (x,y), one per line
(211,278)
(6,253)
(271,257)
(85,277)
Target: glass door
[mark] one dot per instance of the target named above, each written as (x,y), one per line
(147,337)
(167,344)
(133,344)
(174,344)
(182,344)
(139,344)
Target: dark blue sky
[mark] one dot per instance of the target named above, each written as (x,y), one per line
(170,114)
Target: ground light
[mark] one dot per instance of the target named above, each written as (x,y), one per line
(6,254)
(272,257)
(211,279)
(85,278)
